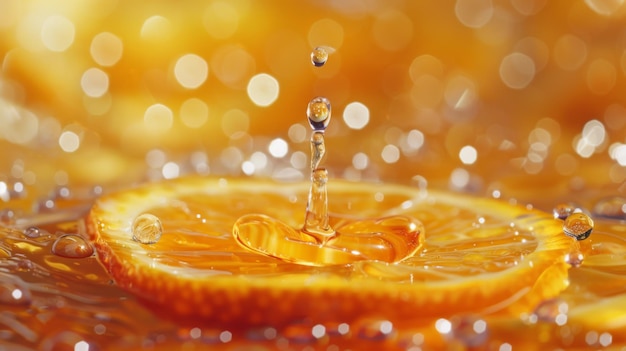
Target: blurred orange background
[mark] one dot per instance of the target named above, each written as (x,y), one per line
(516,96)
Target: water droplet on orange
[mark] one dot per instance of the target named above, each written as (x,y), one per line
(147,229)
(72,246)
(578,225)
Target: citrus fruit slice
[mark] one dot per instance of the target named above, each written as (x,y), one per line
(478,255)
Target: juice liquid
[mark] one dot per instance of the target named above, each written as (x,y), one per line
(521,102)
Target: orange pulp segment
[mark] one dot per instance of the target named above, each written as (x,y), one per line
(479,255)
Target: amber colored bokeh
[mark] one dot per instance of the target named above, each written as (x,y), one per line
(577,50)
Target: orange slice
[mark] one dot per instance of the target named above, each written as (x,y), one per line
(478,256)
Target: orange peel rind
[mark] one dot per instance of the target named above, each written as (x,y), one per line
(479,255)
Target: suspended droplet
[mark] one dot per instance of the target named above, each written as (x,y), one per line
(578,225)
(147,229)
(318,113)
(72,246)
(319,56)
(469,330)
(563,210)
(612,207)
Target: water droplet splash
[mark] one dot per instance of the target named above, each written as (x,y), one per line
(72,246)
(318,113)
(319,56)
(578,225)
(147,229)
(327,239)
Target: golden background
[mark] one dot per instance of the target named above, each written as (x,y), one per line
(534,91)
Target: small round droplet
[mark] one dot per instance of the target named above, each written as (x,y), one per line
(563,210)
(147,229)
(318,113)
(319,56)
(611,207)
(32,232)
(72,246)
(575,258)
(578,225)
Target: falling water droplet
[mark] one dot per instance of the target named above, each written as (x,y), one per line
(319,56)
(578,225)
(469,330)
(147,229)
(318,112)
(72,246)
(611,207)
